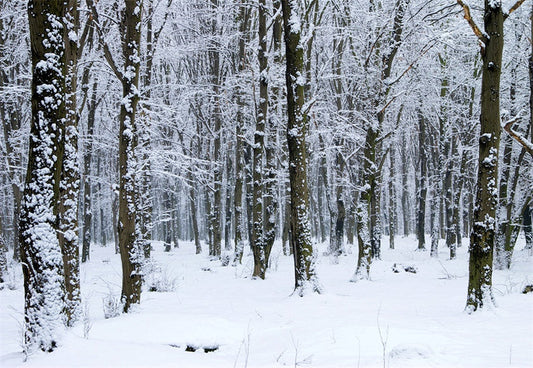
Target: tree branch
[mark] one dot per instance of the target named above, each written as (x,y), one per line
(513,8)
(107,52)
(483,38)
(528,146)
(424,51)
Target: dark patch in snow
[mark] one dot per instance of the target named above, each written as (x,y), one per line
(398,267)
(206,349)
(527,289)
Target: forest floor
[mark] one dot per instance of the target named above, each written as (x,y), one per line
(395,320)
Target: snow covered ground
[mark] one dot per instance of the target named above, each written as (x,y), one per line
(395,320)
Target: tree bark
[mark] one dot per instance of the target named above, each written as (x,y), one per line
(484,221)
(304,268)
(216,213)
(240,229)
(422,191)
(70,173)
(86,182)
(128,195)
(42,262)
(258,240)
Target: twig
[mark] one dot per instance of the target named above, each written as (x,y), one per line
(384,340)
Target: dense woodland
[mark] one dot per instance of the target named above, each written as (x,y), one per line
(235,123)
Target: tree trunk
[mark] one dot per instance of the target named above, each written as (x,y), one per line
(528,232)
(229,187)
(270,198)
(194,213)
(405,191)
(128,195)
(505,205)
(304,268)
(70,173)
(86,182)
(483,228)
(392,197)
(449,189)
(11,126)
(237,198)
(459,184)
(422,191)
(258,241)
(341,211)
(249,190)
(216,213)
(3,257)
(240,229)
(362,272)
(42,262)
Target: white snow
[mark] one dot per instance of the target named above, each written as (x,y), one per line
(410,320)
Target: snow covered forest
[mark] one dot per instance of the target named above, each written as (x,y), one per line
(329,183)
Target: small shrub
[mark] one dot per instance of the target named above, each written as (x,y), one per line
(13,279)
(111,305)
(160,281)
(87,323)
(226,259)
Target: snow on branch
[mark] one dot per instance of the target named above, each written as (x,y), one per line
(508,127)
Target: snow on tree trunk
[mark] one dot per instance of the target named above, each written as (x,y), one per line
(362,272)
(216,117)
(70,173)
(42,262)
(127,227)
(87,189)
(484,221)
(304,263)
(258,239)
(3,256)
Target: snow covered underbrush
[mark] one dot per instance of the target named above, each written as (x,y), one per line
(197,313)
